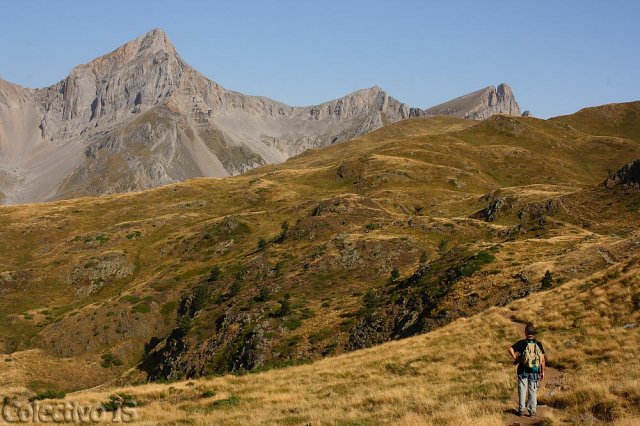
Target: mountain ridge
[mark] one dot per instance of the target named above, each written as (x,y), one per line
(53,139)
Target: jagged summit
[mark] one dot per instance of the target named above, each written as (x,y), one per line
(481,104)
(150,43)
(140,117)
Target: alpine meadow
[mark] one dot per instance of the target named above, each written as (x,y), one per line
(173,252)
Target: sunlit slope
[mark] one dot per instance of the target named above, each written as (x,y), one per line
(458,374)
(192,278)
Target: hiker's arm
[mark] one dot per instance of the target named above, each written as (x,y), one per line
(512,353)
(542,365)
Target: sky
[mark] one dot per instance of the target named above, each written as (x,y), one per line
(558,56)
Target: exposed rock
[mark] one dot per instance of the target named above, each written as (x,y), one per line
(96,272)
(479,105)
(140,117)
(628,175)
(495,202)
(527,113)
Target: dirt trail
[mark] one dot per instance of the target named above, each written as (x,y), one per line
(548,387)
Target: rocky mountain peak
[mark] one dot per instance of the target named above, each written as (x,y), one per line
(151,43)
(480,105)
(146,47)
(143,108)
(504,91)
(139,74)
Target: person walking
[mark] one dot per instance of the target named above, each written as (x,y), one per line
(528,354)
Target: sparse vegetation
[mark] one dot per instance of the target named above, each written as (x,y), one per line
(436,369)
(131,298)
(334,263)
(141,308)
(285,306)
(134,235)
(110,360)
(263,295)
(168,308)
(547,280)
(395,275)
(48,394)
(118,401)
(232,401)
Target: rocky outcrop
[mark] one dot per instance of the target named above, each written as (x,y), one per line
(96,272)
(140,117)
(480,105)
(629,175)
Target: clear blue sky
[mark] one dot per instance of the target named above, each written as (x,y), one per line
(558,56)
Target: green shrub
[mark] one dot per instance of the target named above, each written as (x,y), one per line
(263,295)
(235,288)
(547,280)
(141,308)
(320,335)
(307,313)
(292,323)
(215,274)
(285,306)
(134,235)
(130,298)
(395,275)
(184,325)
(262,244)
(283,234)
(201,296)
(371,301)
(48,394)
(102,239)
(168,308)
(110,360)
(475,263)
(118,401)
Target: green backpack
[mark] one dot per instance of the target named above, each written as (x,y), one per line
(531,358)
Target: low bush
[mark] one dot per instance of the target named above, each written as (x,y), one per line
(141,308)
(118,401)
(110,360)
(48,394)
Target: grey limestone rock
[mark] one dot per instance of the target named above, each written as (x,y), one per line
(140,117)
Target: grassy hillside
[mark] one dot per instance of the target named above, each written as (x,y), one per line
(390,235)
(458,374)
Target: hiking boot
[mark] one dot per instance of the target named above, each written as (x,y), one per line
(532,414)
(520,413)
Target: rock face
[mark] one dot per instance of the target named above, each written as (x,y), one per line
(480,105)
(140,117)
(629,175)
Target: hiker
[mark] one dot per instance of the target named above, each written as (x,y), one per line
(528,354)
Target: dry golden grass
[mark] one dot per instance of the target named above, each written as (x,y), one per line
(419,180)
(457,375)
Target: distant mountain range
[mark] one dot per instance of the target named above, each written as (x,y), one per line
(140,117)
